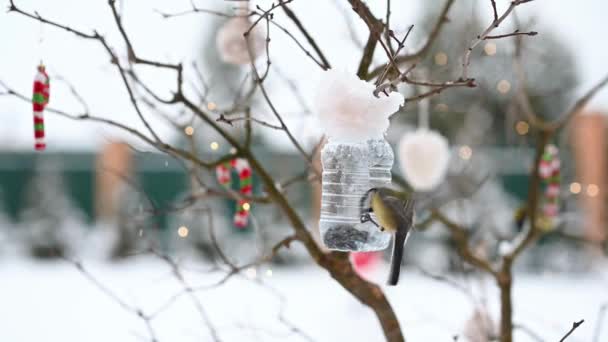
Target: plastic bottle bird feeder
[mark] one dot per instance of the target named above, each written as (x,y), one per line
(349,170)
(355,159)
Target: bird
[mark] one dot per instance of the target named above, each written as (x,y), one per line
(395,213)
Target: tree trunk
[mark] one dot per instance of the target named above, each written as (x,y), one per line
(336,263)
(367,293)
(506,306)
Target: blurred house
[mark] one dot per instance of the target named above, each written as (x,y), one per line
(589,143)
(119,183)
(112,172)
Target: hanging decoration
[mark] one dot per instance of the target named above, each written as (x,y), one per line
(223,173)
(480,326)
(424,154)
(363,262)
(355,158)
(231,42)
(40,99)
(549,171)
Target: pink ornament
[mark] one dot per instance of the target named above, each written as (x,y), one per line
(550,209)
(552,190)
(424,156)
(232,44)
(364,261)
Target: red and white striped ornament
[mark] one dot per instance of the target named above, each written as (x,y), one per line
(223,172)
(40,98)
(549,171)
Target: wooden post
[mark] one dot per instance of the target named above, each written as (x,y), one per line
(590,149)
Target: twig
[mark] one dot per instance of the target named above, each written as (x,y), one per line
(265,14)
(388,31)
(441,20)
(320,63)
(466,60)
(375,27)
(109,293)
(494,10)
(461,238)
(188,289)
(599,322)
(260,83)
(160,146)
(575,325)
(230,121)
(195,9)
(529,332)
(307,35)
(514,34)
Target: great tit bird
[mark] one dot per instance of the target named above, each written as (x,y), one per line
(395,213)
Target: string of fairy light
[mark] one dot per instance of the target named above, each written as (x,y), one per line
(189,130)
(465,152)
(183,231)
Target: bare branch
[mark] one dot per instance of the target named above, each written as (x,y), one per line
(114,297)
(189,291)
(494,11)
(258,80)
(307,35)
(515,33)
(230,121)
(461,238)
(575,325)
(599,323)
(375,27)
(441,20)
(466,60)
(266,14)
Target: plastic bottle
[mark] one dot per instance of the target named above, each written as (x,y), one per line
(349,170)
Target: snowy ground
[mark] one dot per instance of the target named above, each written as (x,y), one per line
(52,301)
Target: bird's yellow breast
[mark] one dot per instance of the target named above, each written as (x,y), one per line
(386,218)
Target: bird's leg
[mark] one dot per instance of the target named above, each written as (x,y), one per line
(365,214)
(366,217)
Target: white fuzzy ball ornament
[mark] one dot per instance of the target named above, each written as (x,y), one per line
(347,109)
(232,45)
(423,157)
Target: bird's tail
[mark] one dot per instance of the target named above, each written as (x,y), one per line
(398,245)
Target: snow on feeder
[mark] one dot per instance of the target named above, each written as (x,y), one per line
(355,158)
(232,43)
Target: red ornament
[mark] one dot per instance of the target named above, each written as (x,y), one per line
(364,261)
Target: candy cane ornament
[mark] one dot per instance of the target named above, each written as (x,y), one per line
(549,170)
(40,99)
(223,173)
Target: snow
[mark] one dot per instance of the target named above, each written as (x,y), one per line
(52,301)
(349,111)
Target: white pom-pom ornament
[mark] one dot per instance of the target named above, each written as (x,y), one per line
(348,110)
(423,157)
(232,44)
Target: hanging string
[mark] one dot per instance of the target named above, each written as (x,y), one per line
(423,110)
(40,42)
(243,8)
(424,103)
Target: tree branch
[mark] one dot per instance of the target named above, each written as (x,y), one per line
(307,35)
(575,325)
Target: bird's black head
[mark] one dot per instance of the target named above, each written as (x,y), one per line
(365,196)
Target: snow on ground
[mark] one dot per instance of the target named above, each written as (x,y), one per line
(52,301)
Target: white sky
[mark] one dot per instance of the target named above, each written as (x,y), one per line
(581,24)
